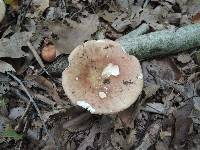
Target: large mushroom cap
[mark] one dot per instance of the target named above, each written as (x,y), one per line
(102,78)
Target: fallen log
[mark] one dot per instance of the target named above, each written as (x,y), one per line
(161,43)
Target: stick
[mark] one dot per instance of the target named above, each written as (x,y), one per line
(161,43)
(142,29)
(34,104)
(37,57)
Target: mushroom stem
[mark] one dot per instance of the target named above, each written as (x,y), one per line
(161,43)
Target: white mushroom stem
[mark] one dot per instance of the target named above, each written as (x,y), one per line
(2,10)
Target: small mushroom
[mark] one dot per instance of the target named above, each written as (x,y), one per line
(2,10)
(48,53)
(102,78)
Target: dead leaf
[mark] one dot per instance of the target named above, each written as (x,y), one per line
(121,23)
(174,18)
(37,7)
(82,121)
(123,3)
(195,114)
(13,3)
(3,123)
(109,16)
(4,67)
(151,136)
(45,84)
(125,118)
(193,7)
(197,57)
(151,90)
(4,84)
(89,140)
(16,113)
(154,108)
(75,34)
(12,47)
(118,141)
(160,145)
(196,18)
(184,58)
(182,124)
(47,115)
(103,126)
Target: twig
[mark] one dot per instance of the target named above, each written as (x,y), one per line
(142,29)
(22,15)
(34,104)
(21,121)
(37,57)
(44,99)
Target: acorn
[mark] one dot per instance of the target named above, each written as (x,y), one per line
(48,53)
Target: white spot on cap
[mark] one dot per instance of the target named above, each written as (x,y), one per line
(102,95)
(86,106)
(140,76)
(109,70)
(105,88)
(76,78)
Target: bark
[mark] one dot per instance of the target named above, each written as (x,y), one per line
(161,43)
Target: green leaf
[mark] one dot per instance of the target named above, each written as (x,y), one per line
(8,2)
(2,102)
(11,133)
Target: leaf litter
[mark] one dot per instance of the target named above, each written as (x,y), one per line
(166,114)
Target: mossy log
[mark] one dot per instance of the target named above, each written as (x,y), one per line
(161,43)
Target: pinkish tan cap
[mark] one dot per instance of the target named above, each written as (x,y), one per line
(102,78)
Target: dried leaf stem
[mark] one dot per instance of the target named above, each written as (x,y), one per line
(37,57)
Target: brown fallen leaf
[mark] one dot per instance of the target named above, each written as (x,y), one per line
(121,22)
(12,47)
(119,141)
(196,18)
(44,83)
(4,67)
(125,118)
(4,84)
(109,16)
(13,3)
(74,34)
(184,58)
(78,123)
(150,136)
(182,125)
(103,126)
(151,90)
(37,8)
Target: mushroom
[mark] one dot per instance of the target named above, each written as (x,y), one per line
(2,10)
(48,53)
(102,78)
